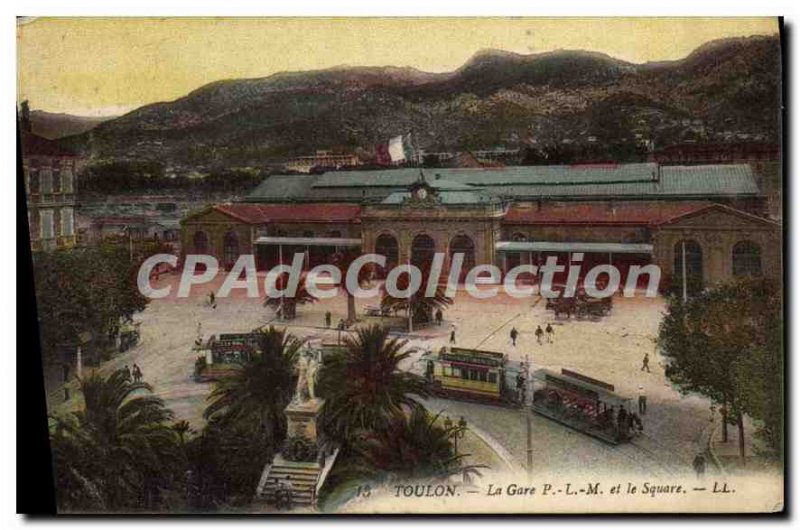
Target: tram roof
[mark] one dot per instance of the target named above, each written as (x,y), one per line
(603,394)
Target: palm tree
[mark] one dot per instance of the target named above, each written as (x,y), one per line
(413,446)
(256,395)
(343,260)
(363,385)
(287,305)
(421,306)
(119,452)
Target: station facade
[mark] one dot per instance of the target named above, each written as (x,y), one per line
(710,221)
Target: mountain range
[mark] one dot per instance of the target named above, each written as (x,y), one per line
(54,125)
(723,91)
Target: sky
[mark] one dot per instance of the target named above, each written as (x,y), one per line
(107,66)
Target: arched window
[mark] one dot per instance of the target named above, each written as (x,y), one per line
(693,253)
(746,259)
(422,250)
(200,242)
(464,245)
(386,245)
(518,236)
(230,249)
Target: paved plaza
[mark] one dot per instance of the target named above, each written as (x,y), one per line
(609,348)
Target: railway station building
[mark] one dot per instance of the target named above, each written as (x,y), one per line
(708,220)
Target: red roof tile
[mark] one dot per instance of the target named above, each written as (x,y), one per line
(298,213)
(621,214)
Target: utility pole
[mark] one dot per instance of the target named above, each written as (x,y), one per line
(530,445)
(410,312)
(683,269)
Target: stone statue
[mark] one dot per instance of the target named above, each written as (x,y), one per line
(311,376)
(302,381)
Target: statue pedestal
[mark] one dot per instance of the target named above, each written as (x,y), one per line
(302,419)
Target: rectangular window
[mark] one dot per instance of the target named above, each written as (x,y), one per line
(46,224)
(493,378)
(66,180)
(482,376)
(46,180)
(67,222)
(27,173)
(464,373)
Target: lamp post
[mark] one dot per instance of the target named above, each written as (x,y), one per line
(459,433)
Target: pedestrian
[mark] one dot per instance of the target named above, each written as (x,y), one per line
(327,319)
(514,334)
(127,373)
(453,335)
(286,487)
(550,332)
(439,317)
(137,373)
(622,422)
(539,334)
(642,401)
(699,465)
(341,324)
(646,363)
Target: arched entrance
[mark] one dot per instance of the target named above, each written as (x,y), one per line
(746,259)
(462,244)
(386,245)
(230,250)
(423,247)
(694,265)
(200,242)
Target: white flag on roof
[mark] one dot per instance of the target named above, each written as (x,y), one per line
(396,151)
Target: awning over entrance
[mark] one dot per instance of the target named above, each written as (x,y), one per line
(559,246)
(309,241)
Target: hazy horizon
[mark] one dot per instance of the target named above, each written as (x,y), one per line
(141,61)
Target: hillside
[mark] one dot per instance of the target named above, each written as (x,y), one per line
(725,90)
(53,125)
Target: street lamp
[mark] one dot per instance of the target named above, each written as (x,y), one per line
(459,433)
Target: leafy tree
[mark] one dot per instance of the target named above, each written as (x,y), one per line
(363,386)
(84,290)
(118,453)
(724,343)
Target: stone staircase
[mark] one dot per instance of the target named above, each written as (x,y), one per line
(302,475)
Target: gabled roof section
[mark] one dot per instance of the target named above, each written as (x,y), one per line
(723,209)
(274,213)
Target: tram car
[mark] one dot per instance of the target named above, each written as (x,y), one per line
(585,404)
(474,375)
(224,354)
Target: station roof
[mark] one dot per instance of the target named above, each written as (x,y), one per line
(598,181)
(599,213)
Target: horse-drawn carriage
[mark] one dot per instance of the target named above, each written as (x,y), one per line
(129,334)
(581,305)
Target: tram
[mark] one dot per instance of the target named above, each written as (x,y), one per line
(474,375)
(584,404)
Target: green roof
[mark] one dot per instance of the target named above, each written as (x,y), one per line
(645,180)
